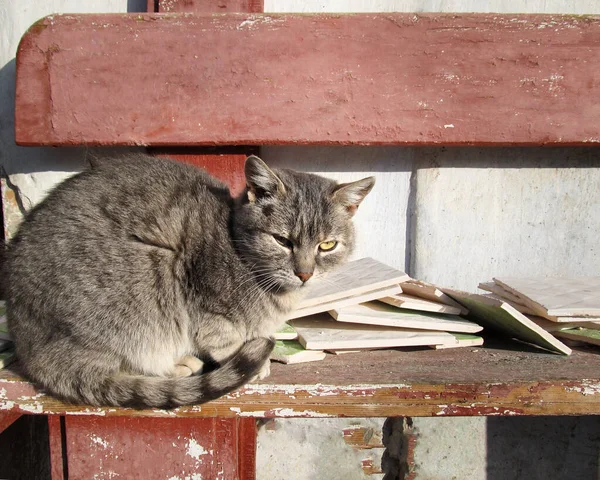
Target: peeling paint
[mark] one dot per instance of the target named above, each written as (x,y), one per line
(88,411)
(99,441)
(36,407)
(195,450)
(586,388)
(290,412)
(5,404)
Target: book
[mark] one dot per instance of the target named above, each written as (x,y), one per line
(377,313)
(580,334)
(4,335)
(353,278)
(321,332)
(403,300)
(556,297)
(343,302)
(498,315)
(464,340)
(286,332)
(291,351)
(427,291)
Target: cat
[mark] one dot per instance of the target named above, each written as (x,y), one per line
(141,282)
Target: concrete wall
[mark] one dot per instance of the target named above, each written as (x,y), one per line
(454,216)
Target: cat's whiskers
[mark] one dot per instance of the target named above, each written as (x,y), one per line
(248,278)
(255,289)
(265,286)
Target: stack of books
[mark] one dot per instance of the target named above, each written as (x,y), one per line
(368,305)
(7,350)
(540,310)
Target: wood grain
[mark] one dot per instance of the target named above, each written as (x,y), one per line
(329,79)
(481,381)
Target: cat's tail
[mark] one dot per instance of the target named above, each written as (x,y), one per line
(167,392)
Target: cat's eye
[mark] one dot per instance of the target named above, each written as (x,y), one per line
(327,246)
(284,242)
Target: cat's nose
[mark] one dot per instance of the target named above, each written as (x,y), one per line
(304,276)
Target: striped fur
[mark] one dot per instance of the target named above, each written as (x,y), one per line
(137,263)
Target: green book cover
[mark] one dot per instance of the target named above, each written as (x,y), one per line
(291,351)
(287,332)
(497,315)
(586,335)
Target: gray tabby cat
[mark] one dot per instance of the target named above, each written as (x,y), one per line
(141,282)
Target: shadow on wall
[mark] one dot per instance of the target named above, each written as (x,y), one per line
(15,159)
(544,448)
(137,6)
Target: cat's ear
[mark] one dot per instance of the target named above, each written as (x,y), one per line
(350,195)
(261,180)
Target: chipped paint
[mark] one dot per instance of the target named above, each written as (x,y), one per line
(99,441)
(193,476)
(586,388)
(92,411)
(252,22)
(106,475)
(36,407)
(5,404)
(476,409)
(290,412)
(195,450)
(168,413)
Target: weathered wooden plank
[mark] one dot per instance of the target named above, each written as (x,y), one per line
(205,6)
(383,383)
(158,448)
(57,451)
(225,163)
(257,79)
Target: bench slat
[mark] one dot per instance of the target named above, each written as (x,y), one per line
(482,381)
(257,79)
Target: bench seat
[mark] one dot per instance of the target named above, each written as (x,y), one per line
(462,381)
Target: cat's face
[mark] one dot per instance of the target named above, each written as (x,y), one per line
(294,227)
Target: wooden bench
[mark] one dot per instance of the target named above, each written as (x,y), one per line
(222,82)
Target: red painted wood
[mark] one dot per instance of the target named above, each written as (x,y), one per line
(247,432)
(7,419)
(205,6)
(309,79)
(138,448)
(55,434)
(228,165)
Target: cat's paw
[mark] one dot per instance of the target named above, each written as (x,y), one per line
(265,371)
(194,364)
(182,371)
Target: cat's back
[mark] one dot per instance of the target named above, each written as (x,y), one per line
(116,193)
(105,213)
